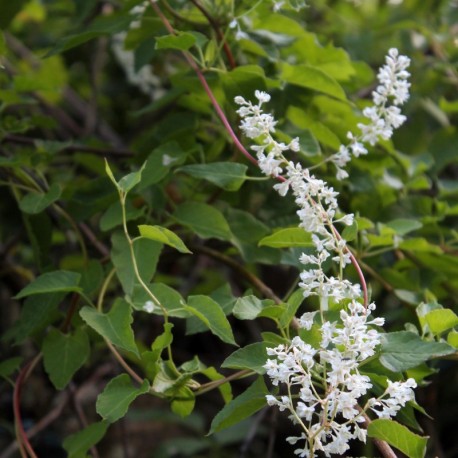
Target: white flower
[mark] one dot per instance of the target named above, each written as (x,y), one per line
(384,115)
(350,340)
(262,96)
(167,160)
(306,320)
(149,306)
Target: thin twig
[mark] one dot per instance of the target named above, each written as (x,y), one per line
(206,387)
(123,363)
(101,247)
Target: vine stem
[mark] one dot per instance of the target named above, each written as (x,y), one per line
(207,88)
(21,435)
(110,346)
(130,242)
(216,383)
(236,140)
(123,363)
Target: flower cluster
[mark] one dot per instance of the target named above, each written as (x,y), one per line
(326,383)
(323,383)
(384,116)
(259,125)
(316,201)
(143,77)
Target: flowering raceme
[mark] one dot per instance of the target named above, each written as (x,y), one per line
(323,383)
(384,116)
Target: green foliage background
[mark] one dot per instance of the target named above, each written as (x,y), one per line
(211,239)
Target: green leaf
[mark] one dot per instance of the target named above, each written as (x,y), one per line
(312,78)
(64,354)
(419,244)
(212,315)
(350,232)
(9,366)
(103,25)
(39,230)
(247,232)
(243,406)
(441,320)
(184,401)
(309,143)
(160,161)
(398,436)
(52,282)
(452,338)
(252,357)
(34,203)
(113,403)
(146,253)
(163,340)
(49,78)
(171,300)
(248,307)
(77,445)
(163,235)
(128,182)
(227,175)
(403,350)
(206,221)
(289,237)
(292,305)
(37,312)
(403,226)
(92,277)
(243,80)
(182,42)
(110,174)
(113,216)
(115,326)
(225,388)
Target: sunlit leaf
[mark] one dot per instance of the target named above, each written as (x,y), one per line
(398,436)
(163,235)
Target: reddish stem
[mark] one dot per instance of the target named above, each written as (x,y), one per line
(235,139)
(205,85)
(22,436)
(356,265)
